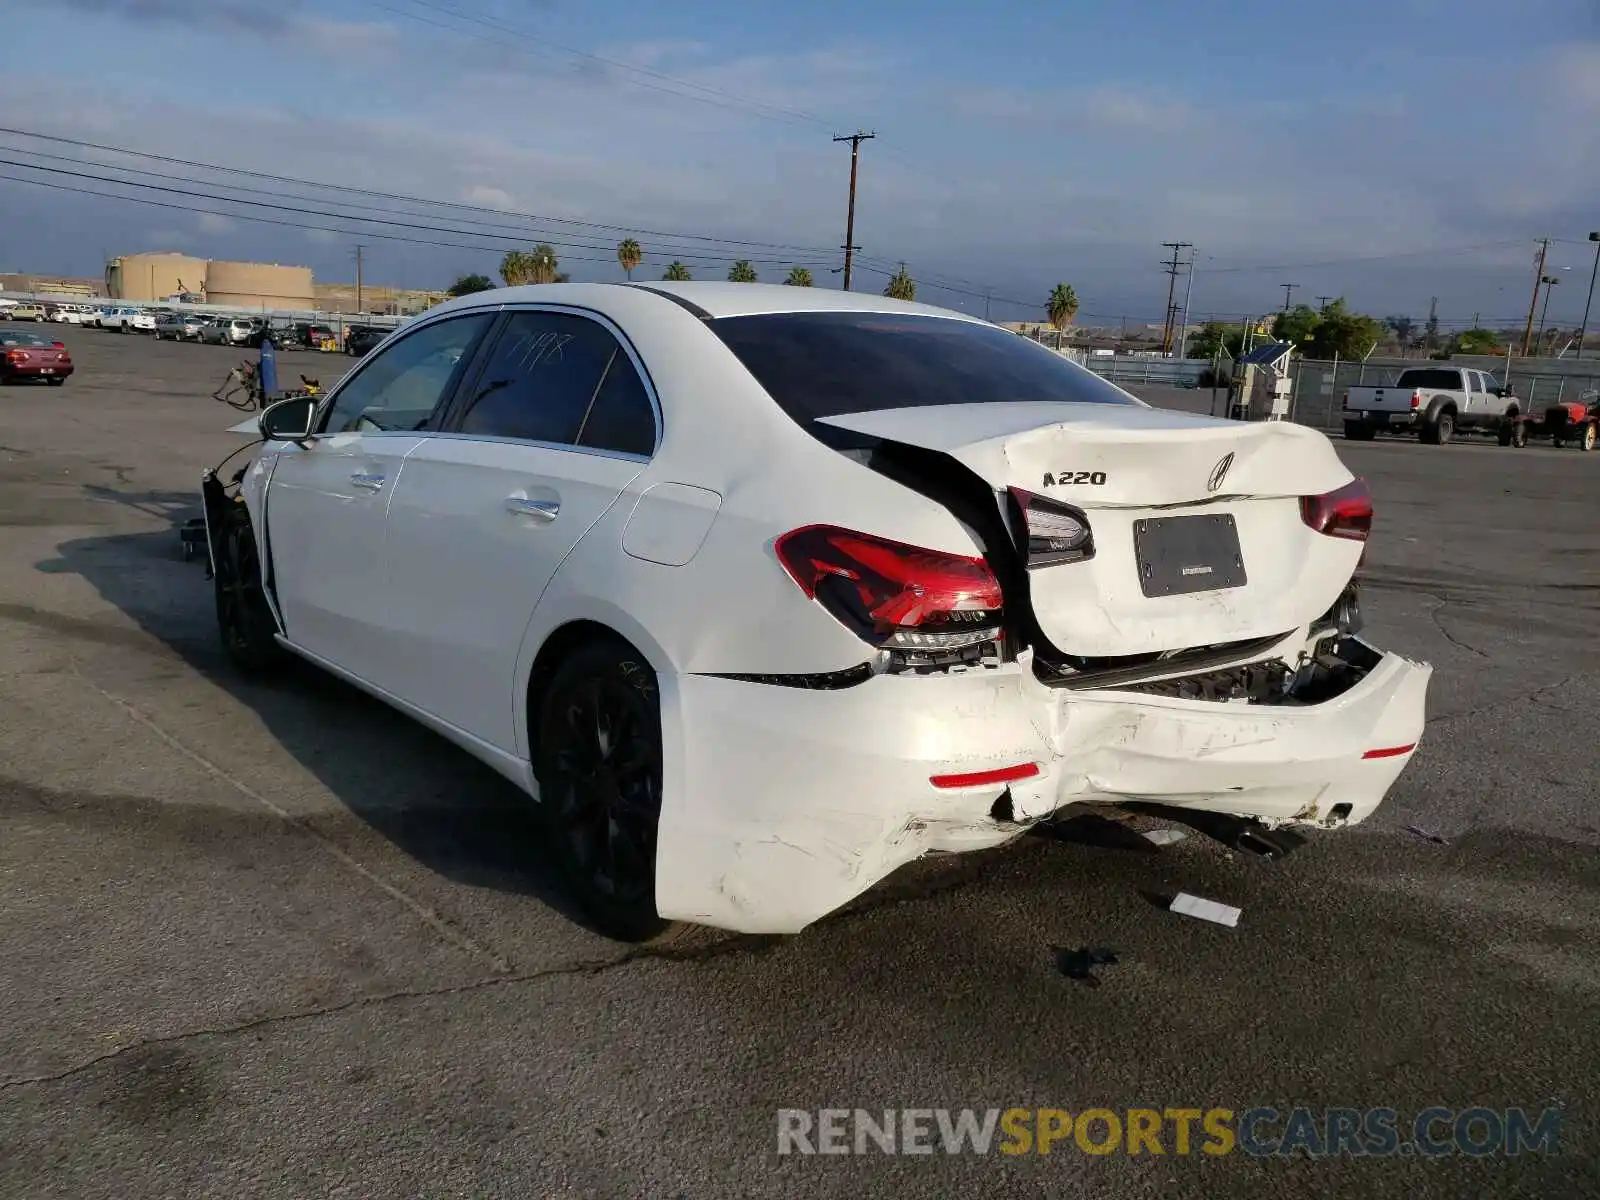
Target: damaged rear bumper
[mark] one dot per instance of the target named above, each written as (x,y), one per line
(782,804)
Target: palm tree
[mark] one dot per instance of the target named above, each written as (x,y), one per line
(742,272)
(1062,306)
(901,286)
(799,277)
(514,268)
(542,265)
(629,255)
(676,272)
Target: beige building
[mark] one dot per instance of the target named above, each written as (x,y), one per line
(152,277)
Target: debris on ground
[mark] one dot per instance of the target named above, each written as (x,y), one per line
(1205,910)
(1436,839)
(1079,965)
(1165,837)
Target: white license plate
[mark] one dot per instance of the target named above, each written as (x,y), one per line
(47,370)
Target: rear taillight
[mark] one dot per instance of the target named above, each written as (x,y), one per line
(1416,399)
(59,345)
(16,356)
(895,596)
(1344,513)
(1056,532)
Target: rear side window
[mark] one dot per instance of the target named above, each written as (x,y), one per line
(564,379)
(826,364)
(1444,380)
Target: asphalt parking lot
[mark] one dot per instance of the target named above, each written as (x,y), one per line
(279,941)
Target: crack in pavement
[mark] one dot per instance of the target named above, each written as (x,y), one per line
(427,915)
(1534,697)
(1440,604)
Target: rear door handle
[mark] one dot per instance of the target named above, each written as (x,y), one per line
(540,510)
(370,482)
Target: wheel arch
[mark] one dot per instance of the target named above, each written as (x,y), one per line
(560,641)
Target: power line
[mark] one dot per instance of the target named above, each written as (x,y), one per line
(396,196)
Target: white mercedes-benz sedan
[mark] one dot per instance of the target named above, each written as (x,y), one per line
(763,592)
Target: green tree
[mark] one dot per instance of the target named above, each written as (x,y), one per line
(514,268)
(1062,305)
(543,266)
(468,284)
(1475,341)
(1403,328)
(901,286)
(1342,333)
(1297,325)
(629,255)
(742,272)
(676,272)
(799,277)
(1216,337)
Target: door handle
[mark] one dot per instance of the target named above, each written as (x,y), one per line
(370,482)
(540,510)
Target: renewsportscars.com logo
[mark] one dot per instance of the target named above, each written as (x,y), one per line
(1258,1132)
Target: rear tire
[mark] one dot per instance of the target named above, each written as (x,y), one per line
(1438,431)
(55,382)
(599,764)
(1358,431)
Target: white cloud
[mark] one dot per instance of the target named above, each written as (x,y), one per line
(213,223)
(486,196)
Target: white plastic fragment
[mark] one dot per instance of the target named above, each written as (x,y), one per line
(1165,837)
(1205,910)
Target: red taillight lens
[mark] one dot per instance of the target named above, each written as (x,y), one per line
(1344,513)
(1416,399)
(1055,532)
(16,356)
(892,594)
(59,345)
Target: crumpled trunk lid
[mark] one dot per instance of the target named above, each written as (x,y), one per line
(1196,521)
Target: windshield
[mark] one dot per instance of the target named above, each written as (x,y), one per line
(826,364)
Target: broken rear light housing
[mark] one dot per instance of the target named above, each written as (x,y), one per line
(893,595)
(1055,532)
(1342,513)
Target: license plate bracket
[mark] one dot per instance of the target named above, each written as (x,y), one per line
(1177,556)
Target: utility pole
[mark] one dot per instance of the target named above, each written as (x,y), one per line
(359,250)
(1322,303)
(1172,287)
(1549,282)
(988,295)
(1288,291)
(855,139)
(1538,280)
(1589,303)
(1432,326)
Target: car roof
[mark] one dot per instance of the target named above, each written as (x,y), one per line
(711,299)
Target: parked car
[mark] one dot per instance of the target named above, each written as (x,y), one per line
(123,319)
(360,339)
(1432,402)
(216,330)
(245,331)
(180,327)
(70,314)
(28,311)
(26,356)
(763,593)
(307,335)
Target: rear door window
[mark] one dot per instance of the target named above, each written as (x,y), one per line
(1443,380)
(826,364)
(562,379)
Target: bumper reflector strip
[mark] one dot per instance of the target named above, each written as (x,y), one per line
(985,778)
(1390,751)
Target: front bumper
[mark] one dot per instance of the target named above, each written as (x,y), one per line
(782,804)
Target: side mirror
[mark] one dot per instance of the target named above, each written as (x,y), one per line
(289,420)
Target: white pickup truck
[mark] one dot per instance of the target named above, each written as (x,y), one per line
(1433,402)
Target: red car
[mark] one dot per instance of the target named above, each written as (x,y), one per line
(30,356)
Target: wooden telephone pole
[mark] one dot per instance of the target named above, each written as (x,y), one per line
(1538,280)
(850,247)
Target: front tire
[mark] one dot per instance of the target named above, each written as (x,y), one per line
(599,764)
(244,619)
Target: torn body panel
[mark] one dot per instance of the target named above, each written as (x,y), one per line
(783,804)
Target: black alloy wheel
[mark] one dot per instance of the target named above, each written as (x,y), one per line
(599,766)
(244,618)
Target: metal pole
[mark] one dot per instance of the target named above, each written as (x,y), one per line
(1550,282)
(1538,278)
(1584,328)
(1188,287)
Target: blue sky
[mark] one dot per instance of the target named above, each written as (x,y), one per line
(1405,150)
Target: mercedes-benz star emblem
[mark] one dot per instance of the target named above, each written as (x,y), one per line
(1219,472)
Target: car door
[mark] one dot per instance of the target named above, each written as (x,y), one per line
(326,500)
(537,446)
